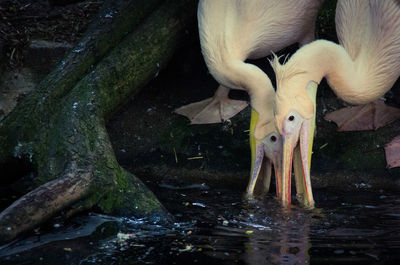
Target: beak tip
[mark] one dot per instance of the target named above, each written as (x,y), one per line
(311,205)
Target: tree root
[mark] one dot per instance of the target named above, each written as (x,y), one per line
(43,202)
(60,127)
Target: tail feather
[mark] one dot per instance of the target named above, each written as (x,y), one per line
(383,43)
(350,21)
(369,30)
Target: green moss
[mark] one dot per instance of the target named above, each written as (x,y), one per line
(32,113)
(176,136)
(123,195)
(360,150)
(357,158)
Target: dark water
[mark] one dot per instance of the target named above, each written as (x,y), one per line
(216,225)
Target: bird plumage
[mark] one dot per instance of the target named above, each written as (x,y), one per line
(240,29)
(367,62)
(370,33)
(232,31)
(361,69)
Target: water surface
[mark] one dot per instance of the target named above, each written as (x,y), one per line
(216,225)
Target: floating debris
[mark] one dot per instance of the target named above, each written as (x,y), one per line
(188,247)
(195,157)
(362,185)
(176,157)
(323,146)
(123,237)
(78,50)
(110,14)
(258,226)
(199,204)
(201,186)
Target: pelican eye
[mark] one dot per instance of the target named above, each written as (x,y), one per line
(273,138)
(291,118)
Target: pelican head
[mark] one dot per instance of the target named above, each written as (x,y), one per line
(294,112)
(266,148)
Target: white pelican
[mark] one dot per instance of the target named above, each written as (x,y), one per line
(361,69)
(232,31)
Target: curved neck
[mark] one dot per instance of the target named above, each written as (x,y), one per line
(241,75)
(347,78)
(260,89)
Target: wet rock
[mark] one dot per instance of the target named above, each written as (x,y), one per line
(42,56)
(14,85)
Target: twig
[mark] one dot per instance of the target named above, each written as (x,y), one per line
(33,17)
(195,157)
(176,157)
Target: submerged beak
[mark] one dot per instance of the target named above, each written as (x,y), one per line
(277,160)
(261,165)
(257,157)
(257,154)
(262,158)
(289,143)
(294,131)
(306,143)
(302,156)
(303,164)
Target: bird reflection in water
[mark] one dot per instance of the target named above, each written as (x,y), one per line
(285,241)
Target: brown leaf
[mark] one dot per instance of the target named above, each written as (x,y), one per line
(370,116)
(392,152)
